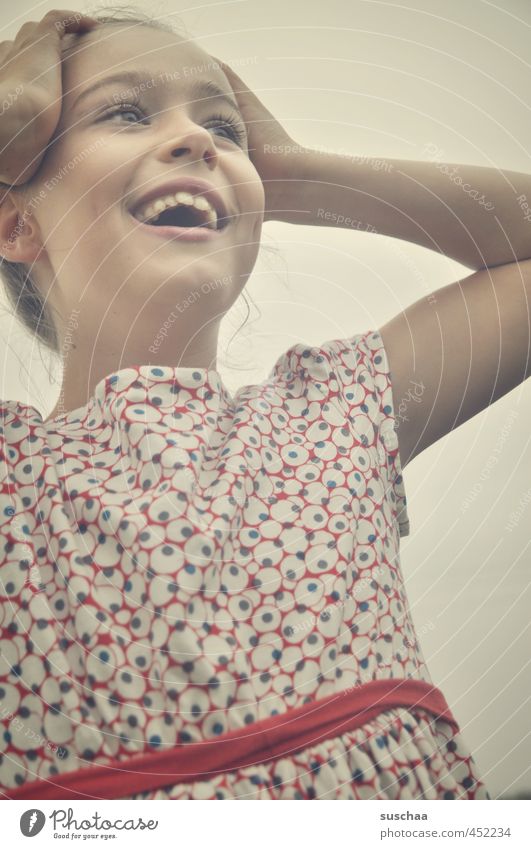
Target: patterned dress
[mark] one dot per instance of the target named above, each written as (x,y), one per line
(178,563)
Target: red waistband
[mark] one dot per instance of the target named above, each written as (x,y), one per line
(276,736)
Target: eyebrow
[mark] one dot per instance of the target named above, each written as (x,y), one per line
(198,87)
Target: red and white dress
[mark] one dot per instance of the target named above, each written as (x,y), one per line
(202,597)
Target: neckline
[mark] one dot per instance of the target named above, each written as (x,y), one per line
(101,389)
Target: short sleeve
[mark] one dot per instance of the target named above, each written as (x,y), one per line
(361,361)
(354,373)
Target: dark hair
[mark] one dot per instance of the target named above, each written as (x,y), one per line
(22,293)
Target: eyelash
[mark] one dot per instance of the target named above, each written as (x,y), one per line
(232,122)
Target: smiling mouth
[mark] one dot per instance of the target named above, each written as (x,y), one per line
(181,210)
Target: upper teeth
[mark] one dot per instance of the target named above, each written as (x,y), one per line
(150,211)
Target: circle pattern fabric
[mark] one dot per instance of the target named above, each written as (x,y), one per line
(178,562)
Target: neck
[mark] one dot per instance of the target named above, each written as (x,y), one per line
(81,374)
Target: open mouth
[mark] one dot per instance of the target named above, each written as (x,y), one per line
(182,210)
(182,216)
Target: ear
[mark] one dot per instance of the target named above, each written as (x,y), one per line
(20,237)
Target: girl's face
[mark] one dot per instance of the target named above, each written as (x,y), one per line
(113,144)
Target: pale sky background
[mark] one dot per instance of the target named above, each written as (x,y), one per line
(385,79)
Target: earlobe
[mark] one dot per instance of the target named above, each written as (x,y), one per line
(19,234)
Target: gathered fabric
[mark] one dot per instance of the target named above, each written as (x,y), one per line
(269,739)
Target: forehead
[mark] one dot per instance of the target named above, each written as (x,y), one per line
(112,48)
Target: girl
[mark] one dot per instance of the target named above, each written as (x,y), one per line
(201,593)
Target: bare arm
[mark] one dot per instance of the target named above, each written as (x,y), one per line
(465,345)
(457,351)
(478,216)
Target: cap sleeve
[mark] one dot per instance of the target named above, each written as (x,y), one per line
(354,373)
(362,359)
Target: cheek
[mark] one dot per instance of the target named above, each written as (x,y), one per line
(78,168)
(260,197)
(251,194)
(252,197)
(257,188)
(79,204)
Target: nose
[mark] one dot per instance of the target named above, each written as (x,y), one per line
(193,143)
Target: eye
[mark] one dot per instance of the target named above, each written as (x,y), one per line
(125,109)
(231,125)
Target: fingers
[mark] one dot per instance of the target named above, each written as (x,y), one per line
(5,47)
(64,20)
(55,23)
